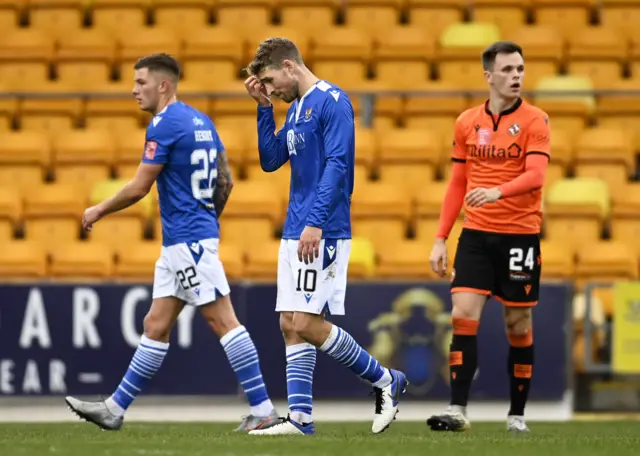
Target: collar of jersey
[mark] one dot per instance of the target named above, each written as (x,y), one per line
(299,105)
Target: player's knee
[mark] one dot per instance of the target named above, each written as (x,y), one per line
(220,316)
(157,326)
(286,325)
(305,325)
(518,322)
(467,306)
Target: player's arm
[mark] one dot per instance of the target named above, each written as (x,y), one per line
(338,134)
(537,153)
(454,195)
(133,191)
(272,147)
(224,181)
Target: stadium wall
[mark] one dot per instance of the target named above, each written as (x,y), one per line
(58,339)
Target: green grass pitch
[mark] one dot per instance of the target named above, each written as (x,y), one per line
(334,439)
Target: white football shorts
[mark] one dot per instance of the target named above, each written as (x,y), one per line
(191,272)
(314,287)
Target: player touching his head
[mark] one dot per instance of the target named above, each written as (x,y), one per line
(318,140)
(186,157)
(500,156)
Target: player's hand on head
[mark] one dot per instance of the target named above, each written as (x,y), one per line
(90,216)
(309,244)
(438,257)
(257,91)
(480,196)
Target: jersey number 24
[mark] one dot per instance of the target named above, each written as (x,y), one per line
(207,171)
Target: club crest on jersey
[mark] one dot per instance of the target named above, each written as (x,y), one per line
(484,137)
(150,150)
(514,129)
(307,114)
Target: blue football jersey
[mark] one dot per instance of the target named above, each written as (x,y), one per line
(318,138)
(186,142)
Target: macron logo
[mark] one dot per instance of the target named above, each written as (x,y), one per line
(331,251)
(156,121)
(335,94)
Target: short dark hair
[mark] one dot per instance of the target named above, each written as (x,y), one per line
(272,52)
(499,47)
(159,62)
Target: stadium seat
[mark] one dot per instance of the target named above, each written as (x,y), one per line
(562,153)
(544,50)
(136,260)
(24,158)
(79,260)
(366,152)
(597,53)
(245,233)
(568,112)
(438,111)
(620,15)
(118,17)
(256,200)
(625,217)
(372,16)
(341,54)
(606,261)
(10,212)
(558,260)
(25,56)
(362,260)
(507,14)
(428,200)
(212,51)
(23,260)
(120,105)
(84,58)
(232,258)
(56,17)
(405,260)
(144,41)
(575,210)
(52,213)
(181,15)
(435,15)
(607,154)
(50,113)
(10,14)
(308,16)
(380,213)
(242,14)
(409,158)
(564,15)
(262,261)
(129,148)
(460,47)
(82,157)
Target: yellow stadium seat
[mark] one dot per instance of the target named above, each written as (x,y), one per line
(9,14)
(136,260)
(115,124)
(255,200)
(620,15)
(51,114)
(372,17)
(23,260)
(262,261)
(362,260)
(568,112)
(606,261)
(25,55)
(408,158)
(342,53)
(427,228)
(123,106)
(625,217)
(607,154)
(129,146)
(437,111)
(308,16)
(405,260)
(428,201)
(236,145)
(82,157)
(347,75)
(232,258)
(380,212)
(24,157)
(145,41)
(507,14)
(558,260)
(564,15)
(10,212)
(84,58)
(254,37)
(244,15)
(575,210)
(279,180)
(245,233)
(56,17)
(81,260)
(460,46)
(52,213)
(435,15)
(366,148)
(544,50)
(562,156)
(597,53)
(118,17)
(212,51)
(180,15)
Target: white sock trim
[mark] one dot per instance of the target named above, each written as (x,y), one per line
(224,340)
(333,335)
(293,349)
(154,343)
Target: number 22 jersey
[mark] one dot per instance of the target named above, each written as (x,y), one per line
(186,142)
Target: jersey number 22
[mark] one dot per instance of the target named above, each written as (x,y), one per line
(207,171)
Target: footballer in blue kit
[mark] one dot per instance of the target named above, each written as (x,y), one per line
(318,140)
(185,156)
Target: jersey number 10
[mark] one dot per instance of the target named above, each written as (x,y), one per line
(208,171)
